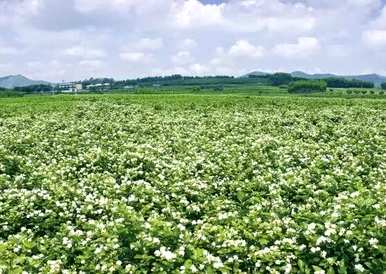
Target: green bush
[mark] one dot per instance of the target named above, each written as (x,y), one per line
(10,93)
(305,86)
(357,91)
(196,89)
(218,88)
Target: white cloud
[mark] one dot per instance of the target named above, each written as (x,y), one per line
(187,44)
(182,58)
(304,47)
(243,48)
(135,57)
(189,36)
(269,15)
(199,69)
(380,21)
(8,50)
(83,52)
(339,50)
(375,38)
(193,14)
(92,5)
(364,3)
(91,63)
(149,44)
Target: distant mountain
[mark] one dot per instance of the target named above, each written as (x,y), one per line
(302,74)
(258,73)
(374,78)
(12,81)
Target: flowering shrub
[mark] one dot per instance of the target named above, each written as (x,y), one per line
(197,185)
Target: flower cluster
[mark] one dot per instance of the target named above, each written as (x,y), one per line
(196,184)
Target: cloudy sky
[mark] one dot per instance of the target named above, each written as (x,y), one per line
(75,39)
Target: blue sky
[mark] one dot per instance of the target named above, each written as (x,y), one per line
(75,39)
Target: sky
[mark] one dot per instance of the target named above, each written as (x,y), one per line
(58,40)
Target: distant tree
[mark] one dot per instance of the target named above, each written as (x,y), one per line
(381,92)
(364,92)
(349,91)
(218,88)
(334,82)
(10,93)
(278,79)
(307,86)
(383,85)
(371,91)
(34,88)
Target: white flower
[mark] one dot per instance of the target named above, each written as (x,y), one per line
(311,227)
(321,240)
(193,268)
(359,268)
(288,268)
(302,247)
(218,264)
(181,227)
(373,242)
(166,254)
(54,265)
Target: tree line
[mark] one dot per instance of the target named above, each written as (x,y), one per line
(276,79)
(307,86)
(280,78)
(34,88)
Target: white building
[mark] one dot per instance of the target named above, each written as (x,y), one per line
(69,87)
(99,87)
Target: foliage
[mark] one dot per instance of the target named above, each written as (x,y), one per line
(10,93)
(192,184)
(383,85)
(218,88)
(345,83)
(278,79)
(34,88)
(307,86)
(211,82)
(179,80)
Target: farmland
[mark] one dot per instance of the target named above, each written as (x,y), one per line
(193,183)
